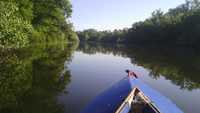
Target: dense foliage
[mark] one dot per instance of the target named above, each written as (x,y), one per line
(24,21)
(14,30)
(179,26)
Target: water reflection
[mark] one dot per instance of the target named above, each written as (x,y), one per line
(179,65)
(32,77)
(39,79)
(173,72)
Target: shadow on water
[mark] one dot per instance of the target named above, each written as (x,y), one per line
(31,78)
(179,65)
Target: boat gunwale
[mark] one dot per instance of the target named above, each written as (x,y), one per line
(131,95)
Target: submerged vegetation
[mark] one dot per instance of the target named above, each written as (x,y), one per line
(178,26)
(25,21)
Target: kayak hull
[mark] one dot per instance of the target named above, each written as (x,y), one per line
(111,99)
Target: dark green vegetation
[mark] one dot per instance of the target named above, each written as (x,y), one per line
(26,21)
(33,49)
(179,26)
(31,78)
(179,65)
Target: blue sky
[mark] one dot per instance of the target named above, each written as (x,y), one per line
(115,14)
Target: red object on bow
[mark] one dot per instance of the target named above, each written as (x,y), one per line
(130,73)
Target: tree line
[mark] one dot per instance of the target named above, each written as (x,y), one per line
(178,26)
(26,21)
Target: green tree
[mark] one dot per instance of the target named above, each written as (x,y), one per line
(14,30)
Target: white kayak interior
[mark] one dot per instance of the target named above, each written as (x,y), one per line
(137,102)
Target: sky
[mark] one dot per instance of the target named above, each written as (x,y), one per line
(115,14)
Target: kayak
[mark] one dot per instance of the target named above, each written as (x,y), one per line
(131,95)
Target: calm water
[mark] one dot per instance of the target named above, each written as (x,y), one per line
(60,78)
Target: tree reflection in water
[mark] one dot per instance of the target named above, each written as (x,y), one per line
(179,65)
(32,77)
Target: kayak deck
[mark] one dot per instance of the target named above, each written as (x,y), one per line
(162,103)
(122,98)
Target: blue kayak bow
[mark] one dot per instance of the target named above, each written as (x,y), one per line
(110,100)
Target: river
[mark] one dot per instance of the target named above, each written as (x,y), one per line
(60,78)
